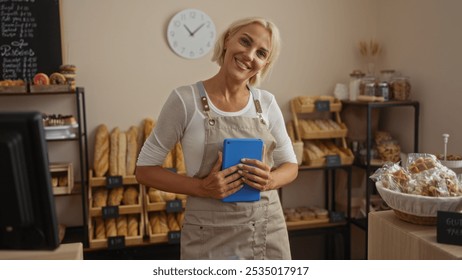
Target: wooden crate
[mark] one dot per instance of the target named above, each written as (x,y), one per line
(62,170)
(123,209)
(13,89)
(103,243)
(300,104)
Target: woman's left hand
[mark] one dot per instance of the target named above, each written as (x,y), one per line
(256,174)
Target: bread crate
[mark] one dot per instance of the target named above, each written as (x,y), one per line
(62,177)
(116,241)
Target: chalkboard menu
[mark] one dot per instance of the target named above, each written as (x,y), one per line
(30,39)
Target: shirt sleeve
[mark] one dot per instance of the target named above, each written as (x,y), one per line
(167,132)
(284,151)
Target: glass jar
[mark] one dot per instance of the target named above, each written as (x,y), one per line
(383,90)
(387,75)
(368,86)
(355,81)
(401,88)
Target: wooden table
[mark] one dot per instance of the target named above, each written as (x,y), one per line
(393,239)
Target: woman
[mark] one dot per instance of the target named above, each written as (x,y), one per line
(201,116)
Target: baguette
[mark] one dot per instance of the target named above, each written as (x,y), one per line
(149,125)
(101,152)
(132,150)
(122,155)
(113,155)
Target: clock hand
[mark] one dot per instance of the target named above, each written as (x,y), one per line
(197,29)
(189,31)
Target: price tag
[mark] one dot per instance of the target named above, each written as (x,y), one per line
(336,217)
(116,242)
(322,105)
(114,181)
(449,227)
(333,160)
(110,212)
(174,237)
(174,206)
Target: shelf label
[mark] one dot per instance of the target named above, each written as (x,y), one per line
(110,212)
(114,181)
(449,227)
(174,206)
(333,160)
(322,105)
(336,217)
(116,242)
(174,237)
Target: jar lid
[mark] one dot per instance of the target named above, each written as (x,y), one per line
(387,71)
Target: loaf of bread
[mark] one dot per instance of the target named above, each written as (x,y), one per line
(114,152)
(101,152)
(132,150)
(122,155)
(180,218)
(100,229)
(122,225)
(149,125)
(172,222)
(154,195)
(179,159)
(132,221)
(111,227)
(167,196)
(130,196)
(100,197)
(115,196)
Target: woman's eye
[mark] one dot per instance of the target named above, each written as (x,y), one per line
(245,42)
(262,54)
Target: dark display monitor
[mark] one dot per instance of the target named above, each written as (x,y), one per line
(27,209)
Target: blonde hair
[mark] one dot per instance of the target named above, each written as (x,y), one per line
(219,51)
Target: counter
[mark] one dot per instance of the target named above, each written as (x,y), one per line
(70,251)
(393,239)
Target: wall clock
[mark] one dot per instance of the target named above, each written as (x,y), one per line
(191,33)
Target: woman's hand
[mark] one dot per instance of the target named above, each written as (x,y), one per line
(220,184)
(256,174)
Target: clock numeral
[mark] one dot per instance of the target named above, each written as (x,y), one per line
(209,44)
(191,54)
(177,23)
(182,50)
(183,16)
(192,14)
(207,24)
(172,33)
(201,51)
(175,44)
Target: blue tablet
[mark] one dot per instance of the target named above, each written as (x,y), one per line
(234,149)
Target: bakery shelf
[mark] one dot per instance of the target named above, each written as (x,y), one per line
(307,104)
(102,181)
(59,171)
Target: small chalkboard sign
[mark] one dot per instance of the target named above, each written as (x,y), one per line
(110,212)
(114,181)
(116,242)
(30,40)
(174,206)
(322,105)
(333,160)
(174,237)
(336,217)
(449,227)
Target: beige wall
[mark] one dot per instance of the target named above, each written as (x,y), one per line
(128,70)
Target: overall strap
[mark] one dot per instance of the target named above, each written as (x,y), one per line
(206,107)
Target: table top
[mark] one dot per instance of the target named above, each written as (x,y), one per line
(69,251)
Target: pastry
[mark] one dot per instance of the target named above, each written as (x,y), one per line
(111,227)
(41,79)
(113,153)
(62,181)
(100,229)
(172,222)
(57,79)
(154,195)
(101,152)
(421,164)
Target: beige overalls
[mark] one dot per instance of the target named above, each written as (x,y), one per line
(213,229)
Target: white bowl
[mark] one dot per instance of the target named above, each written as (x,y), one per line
(419,205)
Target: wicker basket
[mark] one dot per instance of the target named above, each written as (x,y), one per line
(426,221)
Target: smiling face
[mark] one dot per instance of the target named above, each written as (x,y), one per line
(247,52)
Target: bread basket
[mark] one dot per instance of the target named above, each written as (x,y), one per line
(418,209)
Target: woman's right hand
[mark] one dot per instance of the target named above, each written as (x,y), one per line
(221,183)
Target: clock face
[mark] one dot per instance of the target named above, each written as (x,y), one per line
(191,33)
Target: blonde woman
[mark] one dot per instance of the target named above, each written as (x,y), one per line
(227,105)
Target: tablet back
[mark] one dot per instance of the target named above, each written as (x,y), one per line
(234,149)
